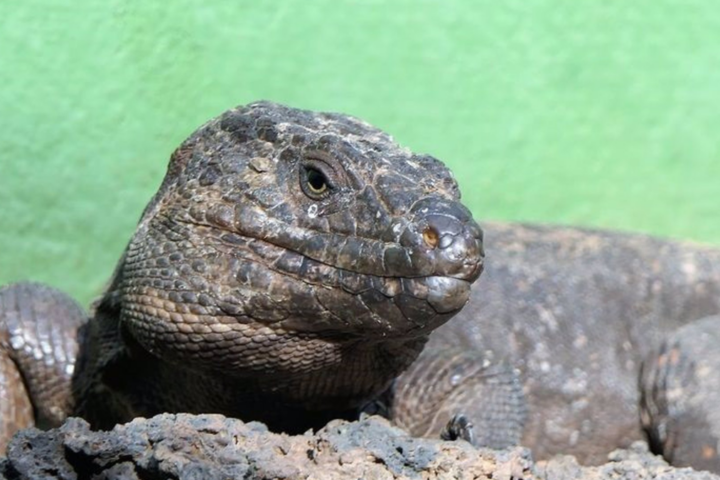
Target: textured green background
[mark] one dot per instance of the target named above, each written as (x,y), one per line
(590,112)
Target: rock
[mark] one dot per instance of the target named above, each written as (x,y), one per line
(190,447)
(635,463)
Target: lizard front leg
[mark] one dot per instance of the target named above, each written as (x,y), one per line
(38,345)
(456,393)
(680,392)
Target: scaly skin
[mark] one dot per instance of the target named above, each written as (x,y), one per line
(291,265)
(604,328)
(246,293)
(38,347)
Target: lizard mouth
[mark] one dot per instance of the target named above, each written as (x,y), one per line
(383,307)
(444,241)
(253,278)
(338,284)
(443,293)
(314,296)
(429,302)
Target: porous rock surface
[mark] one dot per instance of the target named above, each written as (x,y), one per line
(183,446)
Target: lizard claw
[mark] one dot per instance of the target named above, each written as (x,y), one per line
(459,427)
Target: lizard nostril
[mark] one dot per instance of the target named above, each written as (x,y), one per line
(431,237)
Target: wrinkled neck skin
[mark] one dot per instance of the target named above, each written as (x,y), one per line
(117,380)
(290,266)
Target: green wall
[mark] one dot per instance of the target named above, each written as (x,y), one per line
(598,113)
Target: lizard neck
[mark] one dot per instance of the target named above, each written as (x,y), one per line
(120,380)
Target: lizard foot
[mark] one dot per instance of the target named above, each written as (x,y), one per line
(459,428)
(443,382)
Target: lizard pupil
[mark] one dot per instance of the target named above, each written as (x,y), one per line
(316,181)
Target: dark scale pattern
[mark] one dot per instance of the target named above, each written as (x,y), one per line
(38,345)
(579,313)
(293,264)
(244,292)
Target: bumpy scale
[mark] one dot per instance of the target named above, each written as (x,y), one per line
(293,264)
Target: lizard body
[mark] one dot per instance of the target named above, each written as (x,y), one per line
(292,264)
(614,336)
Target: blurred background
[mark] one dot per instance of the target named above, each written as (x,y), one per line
(592,113)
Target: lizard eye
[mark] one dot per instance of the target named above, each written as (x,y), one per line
(314,182)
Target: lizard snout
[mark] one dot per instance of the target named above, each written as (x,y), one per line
(443,233)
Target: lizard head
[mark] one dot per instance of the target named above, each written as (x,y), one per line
(278,226)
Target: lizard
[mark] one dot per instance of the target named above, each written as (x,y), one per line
(575,341)
(290,266)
